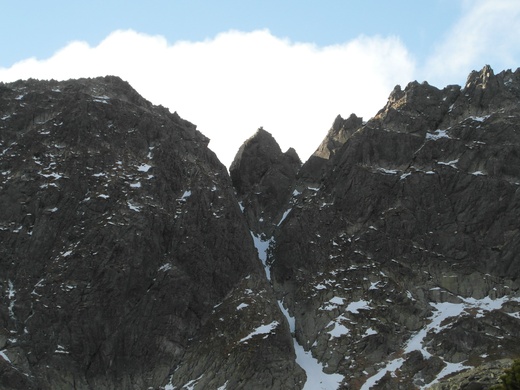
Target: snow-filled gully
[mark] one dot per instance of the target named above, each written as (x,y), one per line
(316,378)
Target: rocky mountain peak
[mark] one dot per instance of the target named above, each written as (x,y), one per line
(293,155)
(485,92)
(417,108)
(263,149)
(263,177)
(484,78)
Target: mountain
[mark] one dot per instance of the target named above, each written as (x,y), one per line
(121,241)
(399,253)
(131,259)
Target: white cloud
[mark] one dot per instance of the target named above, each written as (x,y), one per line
(487,33)
(236,82)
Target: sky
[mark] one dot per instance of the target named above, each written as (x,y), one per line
(232,66)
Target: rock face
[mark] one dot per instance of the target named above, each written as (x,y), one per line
(403,266)
(120,234)
(264,178)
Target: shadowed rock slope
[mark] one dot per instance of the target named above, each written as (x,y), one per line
(124,256)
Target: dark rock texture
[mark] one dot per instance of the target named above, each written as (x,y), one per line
(263,177)
(120,232)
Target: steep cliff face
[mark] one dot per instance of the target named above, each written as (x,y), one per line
(403,266)
(120,234)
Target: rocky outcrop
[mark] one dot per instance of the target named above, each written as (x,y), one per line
(120,237)
(263,177)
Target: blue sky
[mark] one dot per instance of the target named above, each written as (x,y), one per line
(231,66)
(39,28)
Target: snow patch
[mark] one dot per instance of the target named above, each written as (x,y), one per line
(449,369)
(452,163)
(392,366)
(262,246)
(388,171)
(5,357)
(223,387)
(61,349)
(373,285)
(191,384)
(337,301)
(165,267)
(285,214)
(185,195)
(11,293)
(369,332)
(479,118)
(333,303)
(144,167)
(260,330)
(54,175)
(437,134)
(339,329)
(133,206)
(354,307)
(101,99)
(150,154)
